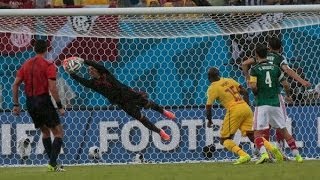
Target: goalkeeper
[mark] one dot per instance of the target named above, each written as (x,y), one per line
(103,82)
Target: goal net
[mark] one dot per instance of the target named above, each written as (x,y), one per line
(165,52)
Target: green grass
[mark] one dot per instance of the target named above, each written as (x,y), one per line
(308,170)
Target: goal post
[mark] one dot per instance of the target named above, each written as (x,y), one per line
(165,52)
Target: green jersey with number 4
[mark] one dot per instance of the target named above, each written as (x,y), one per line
(268,77)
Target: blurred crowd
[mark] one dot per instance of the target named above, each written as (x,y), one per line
(141,3)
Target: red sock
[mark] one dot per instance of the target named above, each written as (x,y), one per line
(279,136)
(292,143)
(259,142)
(266,134)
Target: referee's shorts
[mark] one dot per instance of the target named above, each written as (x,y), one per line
(42,111)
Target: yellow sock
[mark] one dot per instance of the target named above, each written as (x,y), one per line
(231,146)
(267,144)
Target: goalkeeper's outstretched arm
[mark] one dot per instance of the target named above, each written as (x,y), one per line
(87,83)
(97,66)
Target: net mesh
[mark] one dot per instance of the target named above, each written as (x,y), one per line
(166,56)
(157,26)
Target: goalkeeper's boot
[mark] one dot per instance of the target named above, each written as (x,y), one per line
(277,154)
(164,135)
(298,158)
(56,168)
(169,114)
(263,158)
(242,160)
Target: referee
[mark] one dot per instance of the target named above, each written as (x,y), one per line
(39,77)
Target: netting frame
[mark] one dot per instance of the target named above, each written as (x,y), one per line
(184,10)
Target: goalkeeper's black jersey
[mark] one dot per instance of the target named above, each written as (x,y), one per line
(107,85)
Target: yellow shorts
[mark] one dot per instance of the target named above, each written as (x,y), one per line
(239,116)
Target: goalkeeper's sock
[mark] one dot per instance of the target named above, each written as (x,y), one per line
(267,144)
(164,135)
(231,146)
(169,114)
(47,145)
(56,147)
(145,121)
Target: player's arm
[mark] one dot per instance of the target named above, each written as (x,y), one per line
(97,66)
(294,75)
(246,66)
(15,93)
(245,94)
(253,84)
(210,99)
(253,81)
(85,82)
(286,87)
(15,90)
(52,85)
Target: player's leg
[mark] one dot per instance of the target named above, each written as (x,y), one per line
(246,128)
(279,122)
(46,140)
(231,124)
(135,112)
(247,123)
(36,116)
(261,126)
(281,142)
(53,122)
(146,103)
(57,132)
(291,143)
(141,99)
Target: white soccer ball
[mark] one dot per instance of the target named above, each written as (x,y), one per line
(72,64)
(94,152)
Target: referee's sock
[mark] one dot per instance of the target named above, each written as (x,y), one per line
(47,145)
(56,147)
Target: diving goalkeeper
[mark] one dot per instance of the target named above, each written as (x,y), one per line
(129,100)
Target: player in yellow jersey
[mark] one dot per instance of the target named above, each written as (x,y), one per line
(234,98)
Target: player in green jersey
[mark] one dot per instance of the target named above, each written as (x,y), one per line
(265,81)
(279,60)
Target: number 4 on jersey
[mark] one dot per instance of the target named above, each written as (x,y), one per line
(268,79)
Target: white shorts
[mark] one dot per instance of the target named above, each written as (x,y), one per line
(269,115)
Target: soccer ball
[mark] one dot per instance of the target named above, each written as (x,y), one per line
(94,152)
(72,64)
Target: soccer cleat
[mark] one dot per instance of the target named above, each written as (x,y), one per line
(55,168)
(242,160)
(164,135)
(169,114)
(298,158)
(263,158)
(277,154)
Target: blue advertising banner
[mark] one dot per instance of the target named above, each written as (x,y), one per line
(120,137)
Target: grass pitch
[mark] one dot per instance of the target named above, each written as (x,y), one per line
(308,170)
